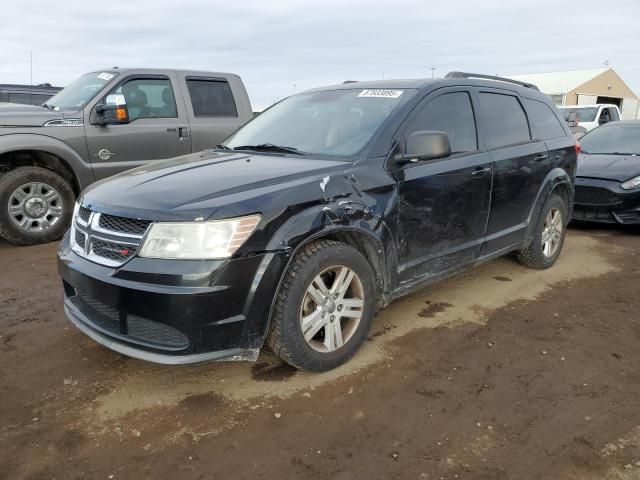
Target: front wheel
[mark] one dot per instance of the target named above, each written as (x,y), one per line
(324,307)
(548,236)
(36,205)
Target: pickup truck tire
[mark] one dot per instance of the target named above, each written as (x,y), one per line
(36,205)
(548,236)
(324,307)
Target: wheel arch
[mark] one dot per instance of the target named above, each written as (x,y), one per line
(46,152)
(556,181)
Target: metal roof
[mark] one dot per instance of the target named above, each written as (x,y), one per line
(560,82)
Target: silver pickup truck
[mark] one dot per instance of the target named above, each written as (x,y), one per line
(101,124)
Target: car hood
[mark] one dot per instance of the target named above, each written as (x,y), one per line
(610,167)
(17,115)
(196,185)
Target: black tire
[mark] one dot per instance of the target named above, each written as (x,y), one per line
(14,179)
(533,256)
(285,336)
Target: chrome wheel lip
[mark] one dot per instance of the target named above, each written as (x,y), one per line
(330,314)
(35,207)
(552,232)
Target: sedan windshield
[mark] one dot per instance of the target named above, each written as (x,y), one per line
(328,122)
(618,139)
(585,114)
(80,92)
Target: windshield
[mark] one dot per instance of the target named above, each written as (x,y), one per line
(80,92)
(612,140)
(328,122)
(585,114)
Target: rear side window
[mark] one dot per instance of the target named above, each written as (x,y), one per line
(211,98)
(544,123)
(450,113)
(505,121)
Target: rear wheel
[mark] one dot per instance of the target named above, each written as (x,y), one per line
(324,307)
(548,237)
(36,205)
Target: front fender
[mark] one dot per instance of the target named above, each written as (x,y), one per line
(31,141)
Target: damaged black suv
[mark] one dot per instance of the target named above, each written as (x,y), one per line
(316,214)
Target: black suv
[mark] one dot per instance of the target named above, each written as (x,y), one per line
(316,214)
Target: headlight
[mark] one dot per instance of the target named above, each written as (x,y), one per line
(198,240)
(631,184)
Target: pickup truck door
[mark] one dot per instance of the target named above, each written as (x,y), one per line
(443,203)
(158,126)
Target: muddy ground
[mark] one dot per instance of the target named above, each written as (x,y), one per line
(499,373)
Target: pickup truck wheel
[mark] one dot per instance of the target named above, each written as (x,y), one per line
(36,205)
(549,235)
(324,307)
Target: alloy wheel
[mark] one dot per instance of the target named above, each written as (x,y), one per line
(332,308)
(35,207)
(552,232)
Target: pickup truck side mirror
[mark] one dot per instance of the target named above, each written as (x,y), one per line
(572,121)
(113,112)
(424,145)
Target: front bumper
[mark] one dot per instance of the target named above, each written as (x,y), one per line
(603,201)
(173,311)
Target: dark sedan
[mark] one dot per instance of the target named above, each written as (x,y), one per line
(608,176)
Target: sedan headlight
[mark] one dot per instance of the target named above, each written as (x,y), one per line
(631,184)
(198,240)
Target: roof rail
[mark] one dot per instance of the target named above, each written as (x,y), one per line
(489,77)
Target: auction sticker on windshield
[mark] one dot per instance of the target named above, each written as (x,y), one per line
(105,76)
(380,93)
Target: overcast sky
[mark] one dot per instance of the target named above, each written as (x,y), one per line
(274,44)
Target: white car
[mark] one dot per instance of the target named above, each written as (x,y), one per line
(592,116)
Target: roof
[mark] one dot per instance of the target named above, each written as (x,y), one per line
(560,82)
(379,84)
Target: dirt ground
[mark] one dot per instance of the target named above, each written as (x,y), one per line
(499,373)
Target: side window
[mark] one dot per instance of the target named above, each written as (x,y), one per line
(450,113)
(614,114)
(544,122)
(211,98)
(504,120)
(148,98)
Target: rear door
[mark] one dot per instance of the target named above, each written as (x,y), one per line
(444,203)
(158,127)
(520,166)
(213,111)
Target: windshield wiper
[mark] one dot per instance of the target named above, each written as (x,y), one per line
(221,147)
(47,106)
(270,147)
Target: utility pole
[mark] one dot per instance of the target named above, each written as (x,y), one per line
(31,76)
(433,69)
(382,72)
(294,88)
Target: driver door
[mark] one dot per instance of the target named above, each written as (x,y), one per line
(444,203)
(158,127)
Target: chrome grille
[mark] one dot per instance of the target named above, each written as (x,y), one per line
(106,239)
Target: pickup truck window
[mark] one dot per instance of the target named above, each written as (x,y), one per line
(211,98)
(328,122)
(450,113)
(148,98)
(81,91)
(585,114)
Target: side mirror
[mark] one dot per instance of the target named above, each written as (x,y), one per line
(424,145)
(113,112)
(572,120)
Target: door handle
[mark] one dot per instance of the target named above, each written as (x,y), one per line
(183,133)
(481,171)
(542,156)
